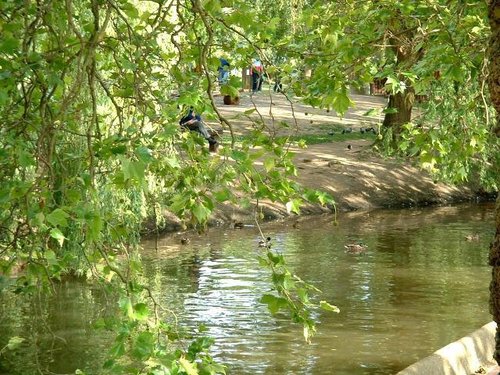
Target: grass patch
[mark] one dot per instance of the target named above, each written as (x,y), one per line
(313,139)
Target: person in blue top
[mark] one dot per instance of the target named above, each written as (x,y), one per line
(193,122)
(223,71)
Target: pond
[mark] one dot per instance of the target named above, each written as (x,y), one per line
(418,286)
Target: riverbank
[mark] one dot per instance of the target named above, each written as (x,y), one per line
(351,171)
(472,354)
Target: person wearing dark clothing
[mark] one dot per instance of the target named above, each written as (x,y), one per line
(193,122)
(257,72)
(278,87)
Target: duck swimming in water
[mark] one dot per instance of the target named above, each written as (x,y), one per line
(355,248)
(265,243)
(237,225)
(472,237)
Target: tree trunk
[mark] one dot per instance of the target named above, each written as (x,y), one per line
(407,55)
(402,104)
(494,67)
(494,87)
(494,261)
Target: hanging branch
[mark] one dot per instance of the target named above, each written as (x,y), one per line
(197,8)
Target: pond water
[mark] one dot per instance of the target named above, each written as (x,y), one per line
(418,286)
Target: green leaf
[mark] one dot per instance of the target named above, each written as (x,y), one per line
(118,150)
(125,92)
(188,366)
(130,10)
(213,368)
(276,259)
(308,332)
(51,257)
(172,162)
(26,159)
(202,328)
(14,342)
(126,307)
(293,206)
(403,145)
(239,155)
(143,346)
(58,218)
(341,102)
(39,219)
(324,198)
(222,195)
(94,227)
(274,304)
(57,235)
(391,83)
(118,349)
(229,90)
(144,153)
(9,44)
(201,213)
(141,311)
(168,131)
(179,203)
(390,110)
(263,261)
(108,364)
(326,306)
(268,164)
(133,170)
(4,96)
(427,161)
(303,295)
(129,65)
(19,190)
(212,6)
(372,112)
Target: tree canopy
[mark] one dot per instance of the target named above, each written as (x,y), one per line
(92,91)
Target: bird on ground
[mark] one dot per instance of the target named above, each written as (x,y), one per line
(185,240)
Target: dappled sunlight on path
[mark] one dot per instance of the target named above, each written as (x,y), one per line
(358,178)
(274,108)
(349,170)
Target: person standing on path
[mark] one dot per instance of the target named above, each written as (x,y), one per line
(223,70)
(257,71)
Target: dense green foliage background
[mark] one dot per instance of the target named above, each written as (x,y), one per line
(90,97)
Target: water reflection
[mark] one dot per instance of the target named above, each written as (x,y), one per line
(58,330)
(418,286)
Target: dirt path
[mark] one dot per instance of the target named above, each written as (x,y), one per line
(275,108)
